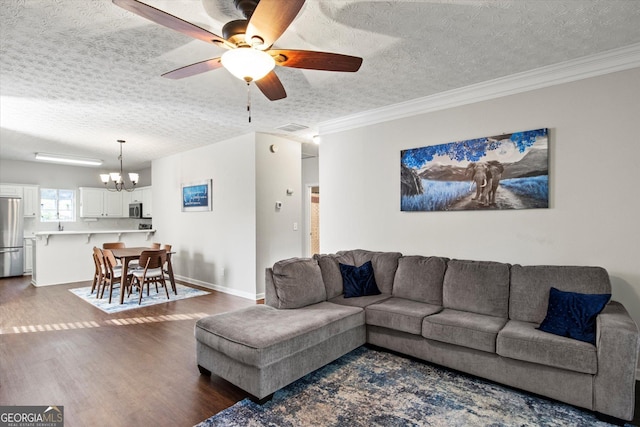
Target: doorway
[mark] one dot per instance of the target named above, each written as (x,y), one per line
(313,245)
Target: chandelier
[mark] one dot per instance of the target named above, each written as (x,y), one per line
(117,178)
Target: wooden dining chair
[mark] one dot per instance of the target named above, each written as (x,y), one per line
(156,246)
(113,274)
(150,271)
(99,272)
(165,268)
(113,245)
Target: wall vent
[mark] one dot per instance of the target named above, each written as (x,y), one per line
(292,127)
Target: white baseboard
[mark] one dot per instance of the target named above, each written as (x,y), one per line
(223,289)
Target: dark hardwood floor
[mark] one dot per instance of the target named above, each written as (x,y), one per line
(139,371)
(105,374)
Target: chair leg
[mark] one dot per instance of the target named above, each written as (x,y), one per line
(166,288)
(141,288)
(104,285)
(98,286)
(110,291)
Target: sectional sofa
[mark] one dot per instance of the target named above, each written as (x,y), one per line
(478,317)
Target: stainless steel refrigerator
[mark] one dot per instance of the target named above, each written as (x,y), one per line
(11,237)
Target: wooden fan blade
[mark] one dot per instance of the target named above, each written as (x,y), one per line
(312,60)
(193,69)
(271,86)
(270,19)
(166,19)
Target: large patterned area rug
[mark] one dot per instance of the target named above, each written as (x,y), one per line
(374,388)
(131,302)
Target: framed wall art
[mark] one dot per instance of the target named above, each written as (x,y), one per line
(197,196)
(509,171)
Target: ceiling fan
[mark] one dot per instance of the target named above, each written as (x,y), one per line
(249,41)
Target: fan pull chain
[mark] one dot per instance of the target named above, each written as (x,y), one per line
(249,100)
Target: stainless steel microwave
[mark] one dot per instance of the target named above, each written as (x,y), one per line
(135,210)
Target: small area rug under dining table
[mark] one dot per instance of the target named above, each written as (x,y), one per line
(131,302)
(368,387)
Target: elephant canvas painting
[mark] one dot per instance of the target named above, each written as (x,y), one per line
(509,171)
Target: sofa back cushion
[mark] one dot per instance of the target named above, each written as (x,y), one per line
(477,286)
(384,268)
(420,278)
(331,275)
(298,283)
(530,286)
(384,264)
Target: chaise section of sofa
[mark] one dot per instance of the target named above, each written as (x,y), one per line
(262,349)
(266,347)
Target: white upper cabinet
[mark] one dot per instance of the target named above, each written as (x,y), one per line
(143,195)
(11,190)
(113,204)
(31,197)
(100,203)
(146,202)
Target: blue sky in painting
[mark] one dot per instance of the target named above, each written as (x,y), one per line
(471,150)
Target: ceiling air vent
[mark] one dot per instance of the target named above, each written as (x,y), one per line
(292,127)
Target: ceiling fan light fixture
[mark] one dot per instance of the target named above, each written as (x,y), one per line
(248,64)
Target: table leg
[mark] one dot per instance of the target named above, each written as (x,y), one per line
(123,281)
(171,278)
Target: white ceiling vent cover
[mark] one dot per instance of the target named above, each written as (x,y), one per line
(292,127)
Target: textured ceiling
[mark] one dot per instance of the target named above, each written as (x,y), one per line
(76,75)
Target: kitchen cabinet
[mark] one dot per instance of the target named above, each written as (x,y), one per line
(127,197)
(11,190)
(146,203)
(31,200)
(143,195)
(100,203)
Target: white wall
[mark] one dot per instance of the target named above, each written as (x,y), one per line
(228,248)
(310,177)
(594,203)
(215,248)
(276,172)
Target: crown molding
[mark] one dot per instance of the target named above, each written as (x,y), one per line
(619,59)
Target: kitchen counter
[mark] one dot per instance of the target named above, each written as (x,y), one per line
(66,256)
(88,233)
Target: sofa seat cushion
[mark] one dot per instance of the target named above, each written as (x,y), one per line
(522,341)
(361,302)
(400,314)
(261,335)
(463,328)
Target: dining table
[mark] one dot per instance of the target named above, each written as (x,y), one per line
(126,255)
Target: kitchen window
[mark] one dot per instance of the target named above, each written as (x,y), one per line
(57,205)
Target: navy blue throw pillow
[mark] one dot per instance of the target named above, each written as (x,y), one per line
(573,315)
(358,281)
